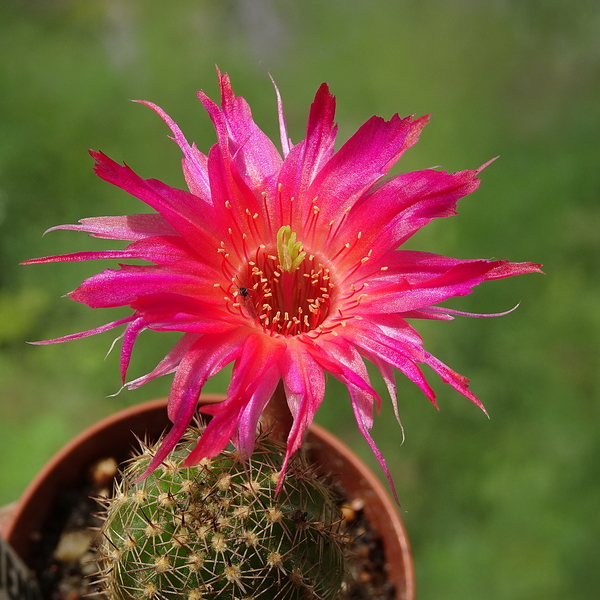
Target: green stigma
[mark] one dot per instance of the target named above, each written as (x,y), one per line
(289,251)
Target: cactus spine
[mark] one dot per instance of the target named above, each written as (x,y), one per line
(218,530)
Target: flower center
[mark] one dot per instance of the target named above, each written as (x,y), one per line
(287,292)
(287,303)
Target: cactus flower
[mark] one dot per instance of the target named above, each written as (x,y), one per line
(285,264)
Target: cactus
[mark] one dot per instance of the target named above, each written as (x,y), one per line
(219,530)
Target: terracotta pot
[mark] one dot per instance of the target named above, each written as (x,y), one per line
(113,436)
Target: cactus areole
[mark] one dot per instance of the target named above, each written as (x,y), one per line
(219,529)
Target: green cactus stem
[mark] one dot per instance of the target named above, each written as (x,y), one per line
(219,530)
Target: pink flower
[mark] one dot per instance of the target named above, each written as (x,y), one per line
(286,266)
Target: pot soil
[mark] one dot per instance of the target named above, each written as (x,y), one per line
(59,497)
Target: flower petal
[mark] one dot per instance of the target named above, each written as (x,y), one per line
(418,289)
(257,158)
(131,334)
(207,356)
(305,160)
(286,143)
(256,358)
(304,384)
(456,380)
(130,227)
(393,213)
(125,286)
(362,407)
(194,162)
(158,250)
(402,349)
(168,364)
(234,202)
(179,208)
(361,161)
(83,334)
(252,411)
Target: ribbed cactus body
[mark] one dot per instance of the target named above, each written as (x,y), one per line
(218,530)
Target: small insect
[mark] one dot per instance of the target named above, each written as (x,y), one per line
(246,295)
(245,292)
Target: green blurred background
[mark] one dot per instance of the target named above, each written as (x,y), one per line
(506,508)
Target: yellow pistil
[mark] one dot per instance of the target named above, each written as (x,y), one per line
(289,251)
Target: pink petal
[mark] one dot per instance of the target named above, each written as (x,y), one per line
(131,334)
(456,380)
(163,310)
(200,362)
(362,398)
(402,350)
(306,159)
(158,250)
(508,269)
(209,321)
(387,374)
(234,201)
(220,430)
(320,136)
(253,410)
(224,169)
(447,314)
(416,280)
(194,162)
(83,334)
(256,156)
(179,208)
(361,161)
(79,256)
(304,383)
(393,213)
(361,404)
(397,343)
(130,227)
(339,358)
(206,358)
(130,283)
(286,143)
(256,358)
(458,280)
(168,364)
